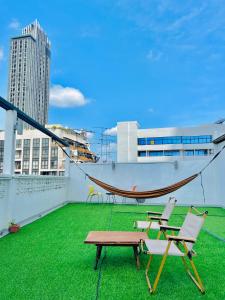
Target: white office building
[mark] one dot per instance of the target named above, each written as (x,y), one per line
(165,144)
(29,68)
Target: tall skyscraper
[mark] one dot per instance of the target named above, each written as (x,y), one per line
(29,71)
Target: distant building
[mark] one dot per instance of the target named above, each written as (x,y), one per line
(36,154)
(165,144)
(29,68)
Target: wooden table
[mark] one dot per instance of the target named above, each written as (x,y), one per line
(115,238)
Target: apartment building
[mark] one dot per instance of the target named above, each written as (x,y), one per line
(37,154)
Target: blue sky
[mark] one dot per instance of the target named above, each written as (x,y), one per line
(161,63)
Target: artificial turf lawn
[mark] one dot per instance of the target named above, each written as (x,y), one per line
(48,259)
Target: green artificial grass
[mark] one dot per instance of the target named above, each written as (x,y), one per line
(48,259)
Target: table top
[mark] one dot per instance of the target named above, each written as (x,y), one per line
(115,237)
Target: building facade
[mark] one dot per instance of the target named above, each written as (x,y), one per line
(165,144)
(37,154)
(29,72)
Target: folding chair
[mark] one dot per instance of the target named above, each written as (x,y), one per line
(92,193)
(155,219)
(180,245)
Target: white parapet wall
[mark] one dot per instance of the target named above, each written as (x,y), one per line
(26,198)
(150,176)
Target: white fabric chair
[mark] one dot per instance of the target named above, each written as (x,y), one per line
(180,246)
(155,219)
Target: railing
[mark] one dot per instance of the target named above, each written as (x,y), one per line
(26,198)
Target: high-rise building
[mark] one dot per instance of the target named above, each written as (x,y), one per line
(29,71)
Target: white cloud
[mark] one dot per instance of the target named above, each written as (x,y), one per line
(66,97)
(14,24)
(89,134)
(111,131)
(153,55)
(1,53)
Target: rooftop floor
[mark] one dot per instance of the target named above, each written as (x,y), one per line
(48,259)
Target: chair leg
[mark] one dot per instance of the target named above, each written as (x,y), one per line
(196,279)
(153,289)
(146,273)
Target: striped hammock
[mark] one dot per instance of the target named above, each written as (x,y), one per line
(146,194)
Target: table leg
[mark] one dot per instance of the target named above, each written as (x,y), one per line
(136,256)
(98,255)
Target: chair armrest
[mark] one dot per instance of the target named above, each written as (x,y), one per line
(167,227)
(180,238)
(158,218)
(154,213)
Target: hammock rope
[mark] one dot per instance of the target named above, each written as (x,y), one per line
(146,194)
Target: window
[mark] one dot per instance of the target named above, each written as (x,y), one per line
(26,143)
(141,153)
(172,153)
(25,172)
(26,153)
(142,141)
(155,153)
(34,172)
(18,143)
(202,139)
(18,154)
(45,142)
(26,164)
(54,164)
(36,152)
(54,152)
(36,143)
(44,152)
(35,164)
(189,152)
(18,165)
(44,164)
(201,152)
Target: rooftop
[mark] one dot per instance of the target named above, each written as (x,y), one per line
(48,259)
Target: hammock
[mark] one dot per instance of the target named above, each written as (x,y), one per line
(145,194)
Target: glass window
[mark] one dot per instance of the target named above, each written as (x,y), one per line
(54,152)
(141,141)
(175,140)
(36,153)
(35,164)
(141,153)
(201,152)
(189,152)
(45,142)
(44,164)
(26,143)
(155,153)
(18,143)
(54,164)
(26,164)
(44,152)
(172,153)
(36,143)
(26,153)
